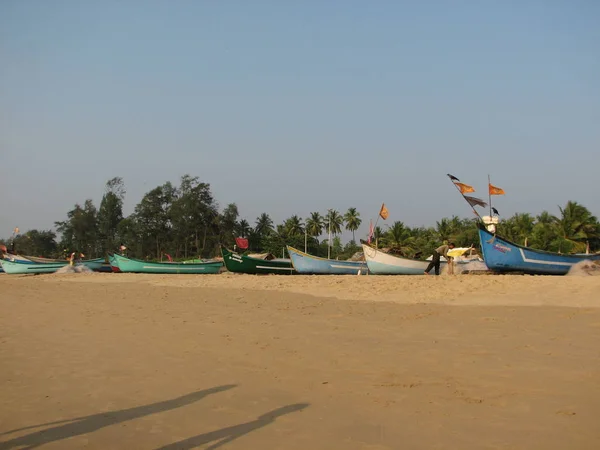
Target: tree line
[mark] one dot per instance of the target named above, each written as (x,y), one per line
(186,221)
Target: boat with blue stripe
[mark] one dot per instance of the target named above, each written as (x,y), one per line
(504,256)
(313,265)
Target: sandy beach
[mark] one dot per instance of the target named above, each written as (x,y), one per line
(103,361)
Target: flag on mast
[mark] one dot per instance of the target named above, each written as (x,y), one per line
(371,232)
(383,212)
(494,190)
(464,188)
(241,242)
(474,201)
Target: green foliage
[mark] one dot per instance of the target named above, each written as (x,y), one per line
(37,243)
(80,230)
(315,224)
(110,214)
(334,222)
(185,222)
(353,221)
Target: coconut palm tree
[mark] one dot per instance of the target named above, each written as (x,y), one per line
(314,224)
(334,222)
(522,227)
(243,228)
(399,237)
(443,229)
(293,226)
(264,225)
(544,231)
(575,226)
(353,221)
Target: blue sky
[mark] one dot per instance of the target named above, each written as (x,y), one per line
(292,107)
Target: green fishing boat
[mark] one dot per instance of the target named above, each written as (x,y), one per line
(130,265)
(235,262)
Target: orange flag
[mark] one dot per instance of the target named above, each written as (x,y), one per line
(496,190)
(383,212)
(465,188)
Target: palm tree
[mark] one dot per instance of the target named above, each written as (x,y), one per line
(264,225)
(399,237)
(378,233)
(334,222)
(544,231)
(522,227)
(576,226)
(314,224)
(293,226)
(243,228)
(353,221)
(443,229)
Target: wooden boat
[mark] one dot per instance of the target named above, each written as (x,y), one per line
(39,259)
(381,263)
(235,262)
(501,255)
(11,257)
(114,264)
(130,265)
(313,265)
(24,267)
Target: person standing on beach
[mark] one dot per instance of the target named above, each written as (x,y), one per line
(442,250)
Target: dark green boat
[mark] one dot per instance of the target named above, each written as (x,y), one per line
(235,262)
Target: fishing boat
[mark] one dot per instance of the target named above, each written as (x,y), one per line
(313,265)
(382,263)
(235,262)
(114,264)
(130,265)
(24,267)
(39,259)
(501,255)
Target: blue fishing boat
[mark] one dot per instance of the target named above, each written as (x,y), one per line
(313,265)
(501,255)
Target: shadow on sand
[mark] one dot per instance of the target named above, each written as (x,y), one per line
(226,435)
(89,424)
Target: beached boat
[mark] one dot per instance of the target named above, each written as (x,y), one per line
(11,257)
(235,262)
(131,265)
(501,255)
(114,264)
(23,267)
(381,263)
(39,259)
(313,265)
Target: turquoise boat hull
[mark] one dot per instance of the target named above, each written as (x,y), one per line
(130,265)
(114,264)
(24,267)
(313,265)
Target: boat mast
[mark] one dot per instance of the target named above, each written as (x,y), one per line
(329,238)
(490,194)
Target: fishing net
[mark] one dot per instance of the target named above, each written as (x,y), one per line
(78,268)
(585,268)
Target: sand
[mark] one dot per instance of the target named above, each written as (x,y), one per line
(103,361)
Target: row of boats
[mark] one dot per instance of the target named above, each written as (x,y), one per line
(499,255)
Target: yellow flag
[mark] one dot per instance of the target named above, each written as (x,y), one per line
(496,190)
(464,188)
(383,212)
